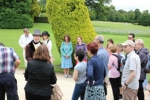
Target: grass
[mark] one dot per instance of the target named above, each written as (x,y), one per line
(120,28)
(10,37)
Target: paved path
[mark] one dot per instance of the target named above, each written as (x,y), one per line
(66,85)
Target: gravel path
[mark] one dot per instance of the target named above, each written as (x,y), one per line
(66,85)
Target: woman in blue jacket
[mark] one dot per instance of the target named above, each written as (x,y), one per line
(66,50)
(95,75)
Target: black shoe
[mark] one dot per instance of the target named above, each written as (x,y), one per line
(120,96)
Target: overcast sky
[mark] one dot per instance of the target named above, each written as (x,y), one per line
(131,4)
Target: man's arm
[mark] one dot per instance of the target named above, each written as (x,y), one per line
(131,77)
(20,42)
(17,63)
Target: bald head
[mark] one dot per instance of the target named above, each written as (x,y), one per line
(139,43)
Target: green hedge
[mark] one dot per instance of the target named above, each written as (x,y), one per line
(70,17)
(15,14)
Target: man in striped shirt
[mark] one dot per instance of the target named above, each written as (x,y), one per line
(9,61)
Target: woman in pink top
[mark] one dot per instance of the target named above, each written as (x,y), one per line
(113,72)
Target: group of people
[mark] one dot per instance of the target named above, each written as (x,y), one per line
(95,67)
(122,65)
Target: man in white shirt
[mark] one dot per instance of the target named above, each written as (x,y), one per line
(25,39)
(131,72)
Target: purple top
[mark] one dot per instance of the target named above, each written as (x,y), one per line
(83,47)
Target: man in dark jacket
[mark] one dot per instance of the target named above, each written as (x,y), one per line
(33,45)
(142,52)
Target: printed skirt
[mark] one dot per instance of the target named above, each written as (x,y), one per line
(94,93)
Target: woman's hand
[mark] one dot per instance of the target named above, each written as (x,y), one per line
(67,56)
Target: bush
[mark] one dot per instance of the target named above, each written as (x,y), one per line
(70,17)
(13,18)
(36,9)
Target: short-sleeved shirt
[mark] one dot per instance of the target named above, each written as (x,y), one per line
(81,68)
(7,59)
(132,63)
(113,64)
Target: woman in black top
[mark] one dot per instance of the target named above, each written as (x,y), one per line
(39,75)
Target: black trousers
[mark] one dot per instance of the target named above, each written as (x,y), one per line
(115,87)
(8,84)
(105,88)
(140,93)
(30,96)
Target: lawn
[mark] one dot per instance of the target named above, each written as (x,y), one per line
(10,37)
(120,28)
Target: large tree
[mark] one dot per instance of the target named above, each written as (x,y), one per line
(70,17)
(144,19)
(99,7)
(137,15)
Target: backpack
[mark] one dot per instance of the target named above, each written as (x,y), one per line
(120,62)
(147,68)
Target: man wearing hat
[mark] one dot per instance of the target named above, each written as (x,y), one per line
(131,72)
(33,45)
(25,39)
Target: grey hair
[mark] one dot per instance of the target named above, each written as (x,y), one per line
(100,38)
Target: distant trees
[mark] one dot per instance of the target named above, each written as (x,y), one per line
(98,8)
(144,18)
(100,11)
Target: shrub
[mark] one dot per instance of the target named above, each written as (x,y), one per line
(15,14)
(70,17)
(36,9)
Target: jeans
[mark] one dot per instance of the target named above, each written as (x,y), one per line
(79,91)
(140,93)
(8,84)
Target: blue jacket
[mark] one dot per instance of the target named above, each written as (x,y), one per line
(96,71)
(63,51)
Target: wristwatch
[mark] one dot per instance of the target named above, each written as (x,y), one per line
(125,84)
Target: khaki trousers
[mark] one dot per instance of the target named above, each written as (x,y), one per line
(130,94)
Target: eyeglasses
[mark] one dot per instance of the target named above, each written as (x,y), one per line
(129,38)
(125,46)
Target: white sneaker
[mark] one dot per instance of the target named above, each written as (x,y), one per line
(66,76)
(69,76)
